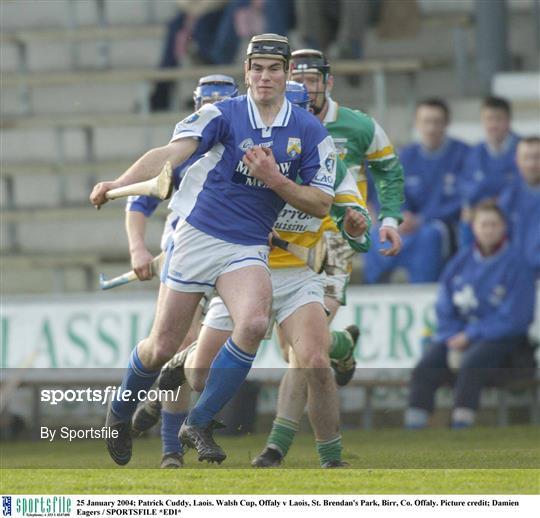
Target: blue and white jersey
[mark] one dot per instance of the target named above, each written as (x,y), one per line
(488,298)
(487,175)
(521,205)
(219,196)
(432,180)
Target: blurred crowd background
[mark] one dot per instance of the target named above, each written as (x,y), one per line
(87,86)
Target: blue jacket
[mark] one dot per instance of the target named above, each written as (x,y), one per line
(487,175)
(521,204)
(432,180)
(488,298)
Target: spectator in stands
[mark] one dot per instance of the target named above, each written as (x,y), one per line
(244,19)
(491,165)
(344,22)
(484,308)
(193,29)
(433,168)
(210,32)
(521,202)
(279,16)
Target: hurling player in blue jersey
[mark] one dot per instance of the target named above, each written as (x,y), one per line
(484,309)
(299,313)
(210,89)
(228,207)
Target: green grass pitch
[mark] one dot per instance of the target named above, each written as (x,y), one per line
(478,461)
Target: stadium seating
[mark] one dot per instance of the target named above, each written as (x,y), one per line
(74,87)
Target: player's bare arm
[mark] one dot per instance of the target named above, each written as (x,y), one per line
(311,200)
(141,258)
(147,167)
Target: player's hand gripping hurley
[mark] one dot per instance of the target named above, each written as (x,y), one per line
(130,276)
(160,187)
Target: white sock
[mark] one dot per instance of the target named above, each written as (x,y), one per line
(463,415)
(416,417)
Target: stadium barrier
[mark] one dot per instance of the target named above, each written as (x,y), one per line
(55,337)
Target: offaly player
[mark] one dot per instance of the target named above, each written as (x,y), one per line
(210,89)
(358,138)
(228,207)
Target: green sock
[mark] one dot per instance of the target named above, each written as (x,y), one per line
(341,345)
(282,434)
(329,450)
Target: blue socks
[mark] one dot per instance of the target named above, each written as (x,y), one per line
(170,426)
(227,372)
(136,378)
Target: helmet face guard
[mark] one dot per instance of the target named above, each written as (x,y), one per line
(269,46)
(297,94)
(214,88)
(311,61)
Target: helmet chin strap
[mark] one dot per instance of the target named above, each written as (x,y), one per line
(316,109)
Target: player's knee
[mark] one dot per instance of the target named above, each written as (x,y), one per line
(320,361)
(473,363)
(254,329)
(317,361)
(311,357)
(161,356)
(163,348)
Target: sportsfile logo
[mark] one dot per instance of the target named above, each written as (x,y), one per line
(39,506)
(6,506)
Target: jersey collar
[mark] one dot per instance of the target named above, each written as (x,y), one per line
(436,153)
(281,119)
(332,113)
(508,143)
(498,251)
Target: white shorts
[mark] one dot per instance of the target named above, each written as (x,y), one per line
(336,287)
(292,288)
(195,260)
(168,230)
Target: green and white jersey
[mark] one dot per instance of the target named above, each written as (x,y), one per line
(359,138)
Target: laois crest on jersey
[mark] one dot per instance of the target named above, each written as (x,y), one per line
(219,196)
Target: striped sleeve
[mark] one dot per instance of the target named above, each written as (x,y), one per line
(387,173)
(348,195)
(380,147)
